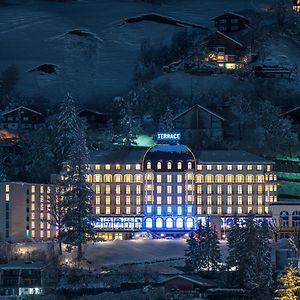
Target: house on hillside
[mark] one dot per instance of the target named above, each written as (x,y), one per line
(294,116)
(21,118)
(230,22)
(94,119)
(296,5)
(199,123)
(225,51)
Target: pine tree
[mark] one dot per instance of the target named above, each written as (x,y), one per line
(166,121)
(234,247)
(191,252)
(289,285)
(66,127)
(77,198)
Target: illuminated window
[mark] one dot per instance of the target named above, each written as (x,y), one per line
(118,210)
(138,189)
(209,210)
(118,178)
(107,210)
(158,211)
(179,200)
(259,178)
(33,189)
(240,200)
(189,198)
(270,177)
(169,200)
(97,210)
(250,200)
(179,189)
(138,200)
(240,211)
(169,178)
(189,165)
(209,178)
(7,197)
(32,205)
(259,189)
(107,167)
(169,223)
(128,211)
(158,178)
(149,209)
(209,190)
(266,210)
(179,178)
(199,189)
(189,176)
(199,200)
(219,200)
(149,187)
(249,178)
(128,190)
(189,209)
(118,167)
(158,189)
(107,200)
(275,188)
(229,178)
(179,165)
(250,189)
(97,200)
(259,200)
(199,178)
(149,223)
(138,210)
(148,165)
(97,167)
(128,178)
(127,200)
(209,200)
(169,209)
(219,167)
(158,200)
(249,167)
(239,167)
(179,223)
(137,166)
(229,210)
(219,210)
(229,167)
(169,189)
(209,167)
(169,165)
(179,210)
(158,165)
(229,189)
(268,168)
(107,178)
(199,210)
(240,189)
(159,222)
(259,167)
(107,189)
(199,167)
(259,210)
(190,187)
(7,188)
(118,200)
(239,178)
(229,200)
(127,167)
(249,209)
(219,178)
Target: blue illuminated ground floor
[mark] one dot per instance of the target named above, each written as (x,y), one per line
(124,227)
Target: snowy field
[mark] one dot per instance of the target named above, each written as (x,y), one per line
(128,251)
(32,33)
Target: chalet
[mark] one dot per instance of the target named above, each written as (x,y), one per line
(294,116)
(94,119)
(230,22)
(187,286)
(21,118)
(198,123)
(21,278)
(225,51)
(296,5)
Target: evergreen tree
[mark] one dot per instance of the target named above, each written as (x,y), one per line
(191,252)
(129,127)
(66,128)
(234,244)
(166,121)
(77,198)
(289,285)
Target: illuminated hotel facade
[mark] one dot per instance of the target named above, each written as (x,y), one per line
(166,189)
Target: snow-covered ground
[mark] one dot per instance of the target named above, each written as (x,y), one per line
(32,33)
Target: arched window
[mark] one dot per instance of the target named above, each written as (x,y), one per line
(107,178)
(89,178)
(179,165)
(209,178)
(199,178)
(128,178)
(169,223)
(229,178)
(179,223)
(260,178)
(219,178)
(249,178)
(118,178)
(239,178)
(190,165)
(97,178)
(159,223)
(189,223)
(284,218)
(148,165)
(296,218)
(158,165)
(138,178)
(169,165)
(149,223)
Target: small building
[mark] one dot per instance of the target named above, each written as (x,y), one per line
(94,119)
(21,278)
(187,286)
(198,123)
(225,51)
(296,5)
(21,118)
(294,115)
(230,22)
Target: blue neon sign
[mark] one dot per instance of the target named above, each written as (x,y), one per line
(168,136)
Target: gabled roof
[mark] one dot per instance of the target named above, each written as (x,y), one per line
(92,111)
(193,278)
(231,14)
(226,37)
(291,110)
(20,107)
(201,107)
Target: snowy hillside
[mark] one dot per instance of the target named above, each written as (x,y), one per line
(97,65)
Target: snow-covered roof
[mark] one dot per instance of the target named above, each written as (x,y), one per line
(15,265)
(201,107)
(232,14)
(229,156)
(20,107)
(192,278)
(225,36)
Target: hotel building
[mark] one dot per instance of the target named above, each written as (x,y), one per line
(166,189)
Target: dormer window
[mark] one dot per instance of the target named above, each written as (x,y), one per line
(169,165)
(148,165)
(179,165)
(159,165)
(189,165)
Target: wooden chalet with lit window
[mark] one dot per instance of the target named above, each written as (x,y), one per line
(296,5)
(21,118)
(94,119)
(231,22)
(225,51)
(199,123)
